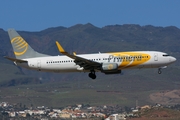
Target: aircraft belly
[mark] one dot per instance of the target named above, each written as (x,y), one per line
(135,65)
(64,67)
(25,65)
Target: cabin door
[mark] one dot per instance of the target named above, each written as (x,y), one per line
(155,57)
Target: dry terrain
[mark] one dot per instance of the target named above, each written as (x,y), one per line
(166,97)
(158,114)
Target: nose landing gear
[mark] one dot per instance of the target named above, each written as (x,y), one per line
(159,71)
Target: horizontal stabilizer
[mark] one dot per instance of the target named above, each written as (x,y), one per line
(15,60)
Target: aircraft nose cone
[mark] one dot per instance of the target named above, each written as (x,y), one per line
(173,59)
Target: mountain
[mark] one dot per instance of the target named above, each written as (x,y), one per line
(91,39)
(87,38)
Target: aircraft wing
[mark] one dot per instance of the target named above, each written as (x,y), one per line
(82,62)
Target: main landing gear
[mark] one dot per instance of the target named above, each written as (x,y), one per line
(92,74)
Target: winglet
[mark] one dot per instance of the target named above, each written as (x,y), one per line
(60,48)
(74,53)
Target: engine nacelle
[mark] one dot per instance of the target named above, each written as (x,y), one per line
(80,68)
(109,67)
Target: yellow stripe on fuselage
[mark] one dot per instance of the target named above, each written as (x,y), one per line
(130,59)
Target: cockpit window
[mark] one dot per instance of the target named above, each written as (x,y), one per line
(165,55)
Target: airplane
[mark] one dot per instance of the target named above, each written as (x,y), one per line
(108,63)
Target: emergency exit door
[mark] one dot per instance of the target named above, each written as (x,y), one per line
(39,63)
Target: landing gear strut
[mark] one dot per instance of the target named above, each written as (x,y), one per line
(92,74)
(159,71)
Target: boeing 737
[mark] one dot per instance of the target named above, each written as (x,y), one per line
(108,63)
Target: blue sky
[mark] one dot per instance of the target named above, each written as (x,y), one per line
(37,15)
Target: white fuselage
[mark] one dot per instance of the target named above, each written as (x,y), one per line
(125,60)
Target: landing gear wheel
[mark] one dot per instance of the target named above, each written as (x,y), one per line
(92,75)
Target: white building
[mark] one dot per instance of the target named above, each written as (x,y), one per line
(116,117)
